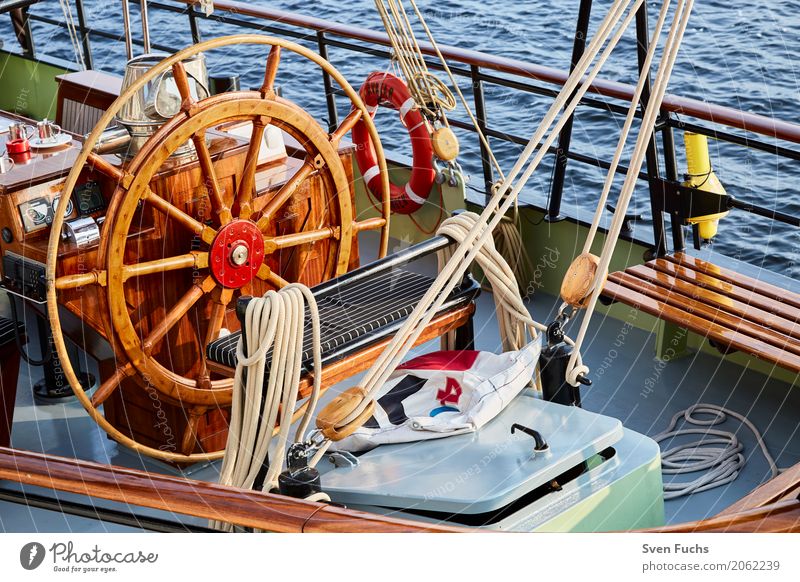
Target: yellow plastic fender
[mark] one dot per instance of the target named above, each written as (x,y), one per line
(702,177)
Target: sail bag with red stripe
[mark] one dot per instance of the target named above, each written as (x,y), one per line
(443,394)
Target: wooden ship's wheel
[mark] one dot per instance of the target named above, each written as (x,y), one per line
(148,242)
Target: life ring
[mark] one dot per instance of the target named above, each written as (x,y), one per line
(387,89)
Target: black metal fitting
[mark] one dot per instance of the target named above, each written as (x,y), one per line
(540,444)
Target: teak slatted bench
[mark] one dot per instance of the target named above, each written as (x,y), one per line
(733,311)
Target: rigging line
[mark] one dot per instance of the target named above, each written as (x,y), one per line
(454,83)
(499,203)
(73,33)
(275,321)
(683,10)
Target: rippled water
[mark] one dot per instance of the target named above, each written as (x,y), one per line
(740,54)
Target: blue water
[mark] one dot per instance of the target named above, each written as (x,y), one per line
(739,54)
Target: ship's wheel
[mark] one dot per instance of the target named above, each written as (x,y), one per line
(231,251)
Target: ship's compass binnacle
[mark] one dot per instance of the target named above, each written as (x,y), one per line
(231,252)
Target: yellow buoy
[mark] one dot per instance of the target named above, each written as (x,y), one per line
(702,177)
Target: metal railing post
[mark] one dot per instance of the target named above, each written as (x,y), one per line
(651,155)
(480,115)
(193,26)
(671,173)
(565,136)
(88,61)
(330,96)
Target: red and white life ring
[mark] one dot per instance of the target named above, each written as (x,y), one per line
(386,89)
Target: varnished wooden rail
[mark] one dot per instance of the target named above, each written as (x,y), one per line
(682,105)
(283,514)
(198,498)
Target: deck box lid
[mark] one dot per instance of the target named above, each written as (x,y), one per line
(477,472)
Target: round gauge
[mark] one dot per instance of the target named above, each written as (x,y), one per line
(70,207)
(37,214)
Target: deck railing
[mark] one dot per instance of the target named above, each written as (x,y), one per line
(483,69)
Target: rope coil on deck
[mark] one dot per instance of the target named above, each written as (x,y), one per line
(274,323)
(721,463)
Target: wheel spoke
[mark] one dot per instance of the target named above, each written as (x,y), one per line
(206,233)
(221,299)
(109,386)
(193,260)
(345,126)
(369,224)
(273,61)
(299,238)
(268,275)
(103,166)
(244,196)
(182,83)
(175,314)
(81,280)
(282,196)
(189,439)
(212,184)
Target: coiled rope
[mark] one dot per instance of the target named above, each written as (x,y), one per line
(273,323)
(721,463)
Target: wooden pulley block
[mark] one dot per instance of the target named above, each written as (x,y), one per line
(578,283)
(340,408)
(445,144)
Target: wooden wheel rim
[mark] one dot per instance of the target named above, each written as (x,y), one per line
(170,136)
(80,162)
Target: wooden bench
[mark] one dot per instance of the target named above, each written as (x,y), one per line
(733,311)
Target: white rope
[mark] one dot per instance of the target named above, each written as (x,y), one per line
(680,21)
(517,327)
(431,95)
(721,463)
(274,322)
(501,201)
(72,30)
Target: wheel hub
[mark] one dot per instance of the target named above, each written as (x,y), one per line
(237,254)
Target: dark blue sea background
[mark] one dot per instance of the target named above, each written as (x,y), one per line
(739,54)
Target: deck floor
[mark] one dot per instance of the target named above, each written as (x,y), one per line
(629,384)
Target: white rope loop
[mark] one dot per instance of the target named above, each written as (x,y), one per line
(274,322)
(517,327)
(721,463)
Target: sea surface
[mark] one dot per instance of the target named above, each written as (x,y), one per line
(739,54)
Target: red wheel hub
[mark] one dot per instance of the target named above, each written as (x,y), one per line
(237,254)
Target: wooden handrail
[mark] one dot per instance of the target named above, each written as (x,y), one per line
(717,114)
(198,498)
(283,514)
(779,517)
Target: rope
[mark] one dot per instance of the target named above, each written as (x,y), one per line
(508,236)
(670,52)
(504,196)
(273,322)
(721,463)
(431,95)
(72,30)
(517,328)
